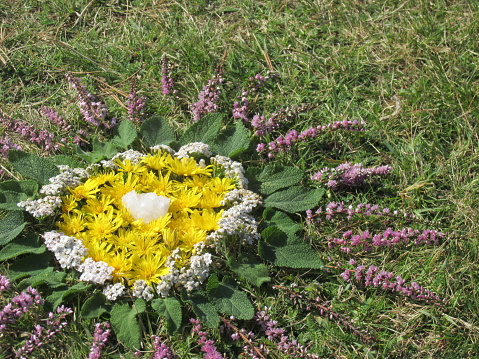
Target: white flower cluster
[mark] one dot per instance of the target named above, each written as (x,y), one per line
(189,277)
(237,221)
(169,279)
(194,148)
(113,291)
(95,271)
(142,290)
(163,148)
(68,177)
(68,251)
(132,155)
(45,206)
(232,169)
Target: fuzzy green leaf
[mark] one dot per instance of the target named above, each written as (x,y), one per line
(232,142)
(273,217)
(58,297)
(29,266)
(32,166)
(230,300)
(156,131)
(170,309)
(48,276)
(206,130)
(126,134)
(250,269)
(68,161)
(125,323)
(11,226)
(287,250)
(294,199)
(22,246)
(9,200)
(29,187)
(103,149)
(275,177)
(95,306)
(204,309)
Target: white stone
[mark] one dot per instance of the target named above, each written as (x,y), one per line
(147,206)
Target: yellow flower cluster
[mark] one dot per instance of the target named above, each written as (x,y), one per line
(93,212)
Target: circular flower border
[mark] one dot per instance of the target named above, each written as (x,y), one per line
(99,235)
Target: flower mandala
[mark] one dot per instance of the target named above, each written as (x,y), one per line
(146,221)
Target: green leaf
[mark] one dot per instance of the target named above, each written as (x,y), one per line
(273,217)
(22,246)
(233,141)
(86,156)
(58,297)
(125,323)
(9,200)
(206,130)
(103,149)
(95,306)
(250,269)
(68,161)
(48,276)
(11,226)
(28,187)
(32,166)
(156,131)
(275,177)
(230,300)
(29,266)
(204,309)
(287,250)
(294,199)
(170,309)
(126,134)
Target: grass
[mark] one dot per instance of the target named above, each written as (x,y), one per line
(406,68)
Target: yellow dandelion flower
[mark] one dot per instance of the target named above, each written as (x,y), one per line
(86,190)
(121,262)
(170,238)
(103,177)
(197,181)
(207,219)
(189,239)
(221,185)
(160,184)
(103,225)
(97,250)
(97,205)
(73,223)
(69,203)
(143,244)
(211,199)
(158,161)
(148,268)
(120,187)
(184,200)
(128,167)
(157,225)
(187,167)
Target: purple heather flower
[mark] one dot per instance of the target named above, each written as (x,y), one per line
(135,104)
(93,110)
(207,346)
(162,351)
(4,283)
(166,79)
(100,337)
(208,98)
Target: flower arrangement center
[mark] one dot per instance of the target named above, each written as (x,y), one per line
(147,206)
